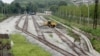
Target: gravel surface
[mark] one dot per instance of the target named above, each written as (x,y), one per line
(58,42)
(31,27)
(21,23)
(53,38)
(8,27)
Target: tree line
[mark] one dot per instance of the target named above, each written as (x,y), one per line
(82,14)
(15,8)
(19,6)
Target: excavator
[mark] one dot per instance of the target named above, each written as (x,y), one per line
(50,24)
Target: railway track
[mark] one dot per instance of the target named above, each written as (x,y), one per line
(70,43)
(25,26)
(65,53)
(52,45)
(17,22)
(42,39)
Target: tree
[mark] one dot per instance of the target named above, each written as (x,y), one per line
(95,14)
(15,7)
(1,6)
(62,3)
(31,7)
(54,8)
(40,5)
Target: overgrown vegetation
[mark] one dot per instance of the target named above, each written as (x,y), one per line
(96,44)
(23,48)
(72,34)
(2,17)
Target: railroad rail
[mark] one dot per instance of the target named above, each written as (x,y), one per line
(67,41)
(42,39)
(65,53)
(25,26)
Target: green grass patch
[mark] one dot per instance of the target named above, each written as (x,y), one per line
(94,32)
(23,48)
(51,35)
(96,44)
(3,17)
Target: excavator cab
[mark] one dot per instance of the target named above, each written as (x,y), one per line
(50,24)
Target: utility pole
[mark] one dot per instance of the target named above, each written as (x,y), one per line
(95,15)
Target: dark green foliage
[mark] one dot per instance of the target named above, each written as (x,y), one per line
(54,8)
(62,3)
(15,7)
(44,4)
(20,6)
(31,7)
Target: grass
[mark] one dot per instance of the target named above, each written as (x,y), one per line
(57,41)
(72,34)
(1,17)
(23,48)
(51,35)
(95,42)
(89,29)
